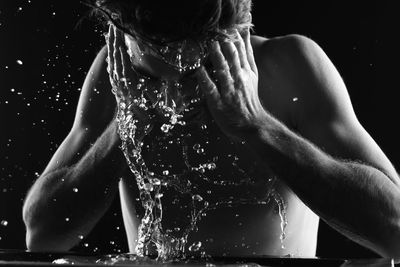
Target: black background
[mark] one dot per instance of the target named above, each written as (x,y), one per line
(45,54)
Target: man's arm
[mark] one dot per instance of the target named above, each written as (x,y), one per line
(355,198)
(332,163)
(79,183)
(360,195)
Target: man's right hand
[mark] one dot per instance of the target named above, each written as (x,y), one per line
(131,95)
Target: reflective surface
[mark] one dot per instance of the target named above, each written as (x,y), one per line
(24,258)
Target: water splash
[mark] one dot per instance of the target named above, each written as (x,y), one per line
(174,152)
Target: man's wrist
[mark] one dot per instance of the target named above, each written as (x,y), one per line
(257,129)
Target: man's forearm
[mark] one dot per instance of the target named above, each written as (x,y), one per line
(358,200)
(65,204)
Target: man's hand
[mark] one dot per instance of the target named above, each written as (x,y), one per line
(231,89)
(128,91)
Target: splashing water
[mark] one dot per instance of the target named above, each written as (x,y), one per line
(175,155)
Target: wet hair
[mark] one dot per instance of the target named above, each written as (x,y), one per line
(163,21)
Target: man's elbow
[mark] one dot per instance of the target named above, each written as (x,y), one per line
(43,242)
(390,244)
(40,237)
(391,250)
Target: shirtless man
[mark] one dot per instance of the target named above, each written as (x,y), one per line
(280,98)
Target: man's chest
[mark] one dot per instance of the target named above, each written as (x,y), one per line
(198,160)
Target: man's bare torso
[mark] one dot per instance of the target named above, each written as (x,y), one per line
(281,225)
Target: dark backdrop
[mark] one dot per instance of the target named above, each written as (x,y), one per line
(45,54)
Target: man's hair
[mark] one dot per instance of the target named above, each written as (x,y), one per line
(174,20)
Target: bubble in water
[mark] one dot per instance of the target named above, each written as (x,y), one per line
(75,189)
(4,223)
(19,62)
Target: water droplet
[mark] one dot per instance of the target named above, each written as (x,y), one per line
(196,146)
(200,151)
(67,219)
(156,181)
(195,246)
(197,198)
(295,99)
(75,190)
(4,223)
(148,187)
(164,49)
(19,62)
(211,166)
(80,237)
(166,127)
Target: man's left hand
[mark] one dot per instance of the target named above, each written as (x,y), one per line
(231,89)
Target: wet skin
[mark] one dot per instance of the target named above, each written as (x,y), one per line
(290,105)
(240,230)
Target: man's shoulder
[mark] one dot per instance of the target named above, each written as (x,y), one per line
(294,67)
(296,61)
(289,53)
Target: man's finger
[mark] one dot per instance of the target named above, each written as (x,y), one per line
(124,78)
(241,48)
(217,58)
(249,50)
(110,49)
(117,55)
(225,81)
(207,86)
(232,57)
(127,71)
(222,71)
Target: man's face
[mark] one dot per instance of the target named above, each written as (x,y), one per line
(172,62)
